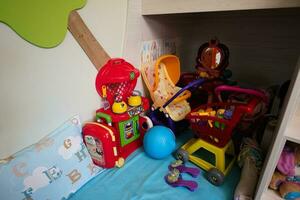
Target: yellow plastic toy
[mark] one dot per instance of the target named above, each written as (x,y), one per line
(215,171)
(135,100)
(207,112)
(119,107)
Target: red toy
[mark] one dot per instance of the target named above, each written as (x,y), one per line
(211,63)
(218,130)
(120,128)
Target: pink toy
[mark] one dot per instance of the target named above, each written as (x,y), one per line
(286,162)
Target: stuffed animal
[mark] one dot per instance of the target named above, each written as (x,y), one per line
(250,159)
(286,178)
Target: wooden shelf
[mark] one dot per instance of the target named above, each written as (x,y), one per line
(155,7)
(270,195)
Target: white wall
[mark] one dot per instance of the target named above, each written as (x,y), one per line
(41,88)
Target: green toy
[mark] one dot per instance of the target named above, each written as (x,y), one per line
(41,22)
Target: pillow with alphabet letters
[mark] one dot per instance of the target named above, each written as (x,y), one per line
(51,169)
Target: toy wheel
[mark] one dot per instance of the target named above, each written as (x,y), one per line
(215,176)
(147,124)
(120,162)
(152,108)
(182,154)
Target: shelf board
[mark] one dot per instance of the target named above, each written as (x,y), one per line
(293,129)
(270,195)
(155,7)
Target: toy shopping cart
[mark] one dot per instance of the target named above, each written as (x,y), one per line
(213,124)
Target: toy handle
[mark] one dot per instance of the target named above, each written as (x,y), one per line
(107,118)
(136,93)
(195,83)
(256,93)
(191,185)
(116,61)
(104,94)
(194,172)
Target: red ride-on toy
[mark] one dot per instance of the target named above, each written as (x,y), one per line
(121,123)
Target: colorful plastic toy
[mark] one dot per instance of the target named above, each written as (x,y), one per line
(135,99)
(174,179)
(169,101)
(211,63)
(285,178)
(217,140)
(119,130)
(212,59)
(159,142)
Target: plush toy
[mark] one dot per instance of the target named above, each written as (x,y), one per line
(286,178)
(250,159)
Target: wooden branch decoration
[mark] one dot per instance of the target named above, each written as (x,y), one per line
(87,41)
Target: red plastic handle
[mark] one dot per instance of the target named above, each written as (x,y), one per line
(256,93)
(116,61)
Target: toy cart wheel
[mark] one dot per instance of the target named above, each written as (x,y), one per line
(182,154)
(215,176)
(120,162)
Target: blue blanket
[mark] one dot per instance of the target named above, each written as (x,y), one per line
(142,178)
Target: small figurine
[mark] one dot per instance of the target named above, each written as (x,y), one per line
(220,114)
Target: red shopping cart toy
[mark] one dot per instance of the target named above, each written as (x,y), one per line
(213,124)
(121,123)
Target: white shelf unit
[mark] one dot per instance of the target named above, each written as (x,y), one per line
(270,195)
(287,129)
(293,129)
(264,42)
(156,7)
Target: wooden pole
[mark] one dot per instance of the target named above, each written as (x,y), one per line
(87,41)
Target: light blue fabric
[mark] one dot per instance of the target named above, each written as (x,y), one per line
(141,178)
(51,169)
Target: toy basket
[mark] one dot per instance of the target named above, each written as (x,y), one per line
(214,129)
(118,79)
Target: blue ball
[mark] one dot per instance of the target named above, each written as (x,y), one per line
(159,142)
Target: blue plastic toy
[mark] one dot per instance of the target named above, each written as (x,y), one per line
(159,142)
